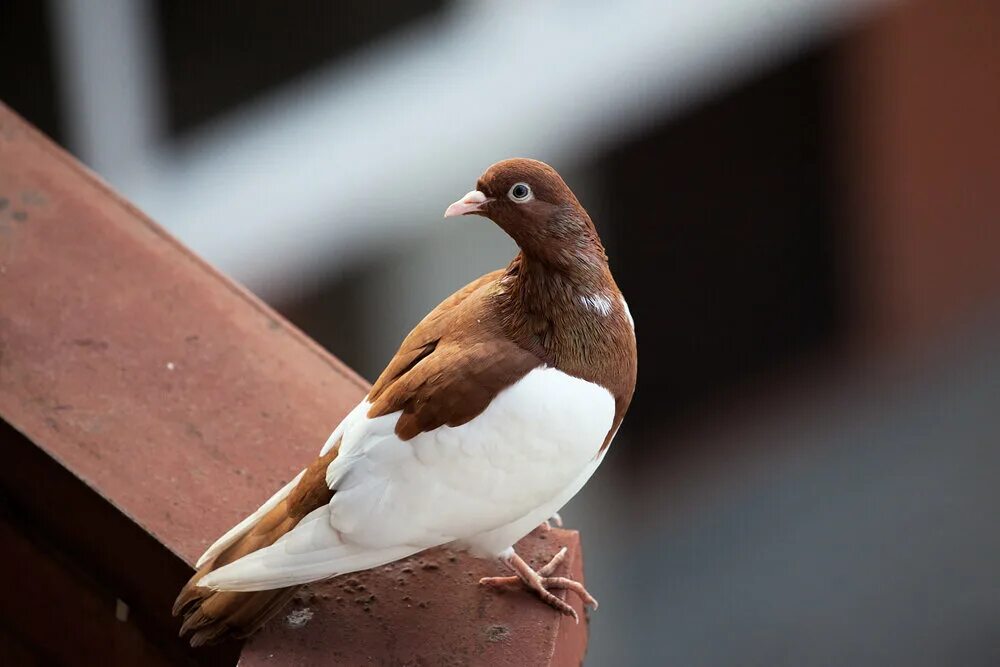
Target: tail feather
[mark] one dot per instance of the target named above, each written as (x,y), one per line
(241,529)
(226,614)
(313,551)
(277,566)
(212,615)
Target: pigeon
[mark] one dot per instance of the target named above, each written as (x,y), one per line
(496,410)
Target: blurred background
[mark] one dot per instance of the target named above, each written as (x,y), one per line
(801,202)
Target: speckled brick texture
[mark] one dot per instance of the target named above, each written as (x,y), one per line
(428,610)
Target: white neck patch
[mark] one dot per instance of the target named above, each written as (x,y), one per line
(628,314)
(598,303)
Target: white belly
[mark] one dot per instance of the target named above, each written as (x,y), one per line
(482,482)
(494,542)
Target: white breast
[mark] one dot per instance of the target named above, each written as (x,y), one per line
(528,446)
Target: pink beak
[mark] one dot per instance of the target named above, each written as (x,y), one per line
(472,202)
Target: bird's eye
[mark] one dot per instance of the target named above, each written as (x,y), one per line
(520,193)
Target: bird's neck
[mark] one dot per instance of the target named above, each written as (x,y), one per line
(561,314)
(540,284)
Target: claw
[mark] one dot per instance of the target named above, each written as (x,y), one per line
(556,561)
(540,582)
(571,585)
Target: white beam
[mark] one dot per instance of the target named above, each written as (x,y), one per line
(109,82)
(373,148)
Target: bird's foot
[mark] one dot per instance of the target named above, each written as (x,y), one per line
(555,519)
(541,582)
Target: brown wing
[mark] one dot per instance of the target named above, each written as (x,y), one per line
(451,365)
(425,336)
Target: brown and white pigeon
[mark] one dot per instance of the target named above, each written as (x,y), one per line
(495,411)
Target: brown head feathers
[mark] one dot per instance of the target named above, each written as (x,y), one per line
(531,202)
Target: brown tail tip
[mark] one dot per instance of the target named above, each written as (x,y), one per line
(213,616)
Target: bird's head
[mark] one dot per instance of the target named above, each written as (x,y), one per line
(529,200)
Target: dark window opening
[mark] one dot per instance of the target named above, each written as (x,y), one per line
(723,226)
(218,54)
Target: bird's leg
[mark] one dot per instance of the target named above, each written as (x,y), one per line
(546,525)
(541,582)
